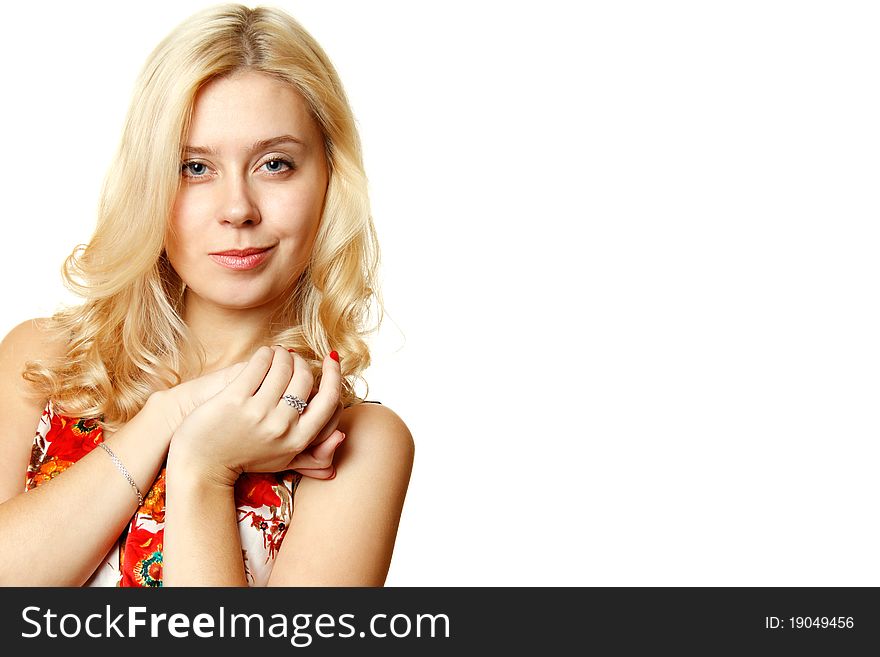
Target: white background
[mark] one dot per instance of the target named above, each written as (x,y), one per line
(629,258)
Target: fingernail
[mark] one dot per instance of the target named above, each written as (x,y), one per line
(293,351)
(334,356)
(333,476)
(341,439)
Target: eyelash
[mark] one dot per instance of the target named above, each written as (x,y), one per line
(290,166)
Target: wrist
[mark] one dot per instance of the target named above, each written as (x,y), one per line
(164,404)
(185,464)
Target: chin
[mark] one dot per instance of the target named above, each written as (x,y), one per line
(232,299)
(245,303)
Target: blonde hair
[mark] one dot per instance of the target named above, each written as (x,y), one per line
(125,340)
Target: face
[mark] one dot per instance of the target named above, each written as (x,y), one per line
(238,194)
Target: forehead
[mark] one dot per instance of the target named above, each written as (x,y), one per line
(247,106)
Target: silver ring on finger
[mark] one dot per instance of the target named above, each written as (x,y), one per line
(296,402)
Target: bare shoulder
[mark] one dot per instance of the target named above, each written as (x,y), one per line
(29,340)
(36,333)
(343,529)
(378,427)
(20,406)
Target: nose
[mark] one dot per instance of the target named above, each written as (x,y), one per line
(238,206)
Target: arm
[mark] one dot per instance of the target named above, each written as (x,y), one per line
(201,520)
(202,543)
(342,532)
(57,534)
(244,428)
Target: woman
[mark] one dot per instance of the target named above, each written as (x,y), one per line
(208,376)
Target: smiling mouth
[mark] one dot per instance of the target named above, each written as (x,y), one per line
(243,252)
(250,259)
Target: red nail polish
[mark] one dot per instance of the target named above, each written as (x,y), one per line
(293,351)
(334,356)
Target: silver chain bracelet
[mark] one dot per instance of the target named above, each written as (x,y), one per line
(124,472)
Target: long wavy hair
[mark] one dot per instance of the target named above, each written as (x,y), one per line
(126,339)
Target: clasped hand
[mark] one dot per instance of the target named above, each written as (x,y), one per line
(248,427)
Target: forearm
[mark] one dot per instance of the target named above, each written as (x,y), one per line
(202,546)
(57,534)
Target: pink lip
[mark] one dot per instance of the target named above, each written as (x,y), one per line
(253,258)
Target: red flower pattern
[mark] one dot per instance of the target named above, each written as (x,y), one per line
(257,489)
(65,440)
(74,438)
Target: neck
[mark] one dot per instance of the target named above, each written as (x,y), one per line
(228,335)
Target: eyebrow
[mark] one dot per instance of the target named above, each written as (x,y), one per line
(258,145)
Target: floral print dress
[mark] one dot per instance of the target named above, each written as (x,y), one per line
(264,503)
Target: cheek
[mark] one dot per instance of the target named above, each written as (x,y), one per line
(178,235)
(172,238)
(311,191)
(299,213)
(181,224)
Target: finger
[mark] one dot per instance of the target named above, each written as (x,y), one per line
(212,384)
(323,473)
(222,379)
(331,425)
(324,403)
(298,386)
(277,379)
(247,381)
(231,372)
(227,374)
(318,456)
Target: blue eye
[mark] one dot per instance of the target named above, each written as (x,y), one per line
(189,166)
(275,166)
(279,160)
